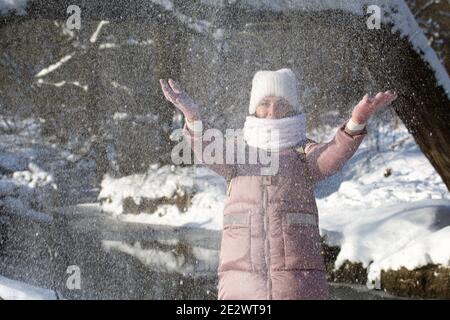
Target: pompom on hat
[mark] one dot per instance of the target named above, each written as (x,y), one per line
(281,83)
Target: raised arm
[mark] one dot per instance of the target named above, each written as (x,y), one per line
(194,128)
(326,159)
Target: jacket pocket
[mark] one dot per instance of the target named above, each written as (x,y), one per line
(235,251)
(302,244)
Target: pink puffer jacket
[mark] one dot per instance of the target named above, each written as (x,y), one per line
(270,245)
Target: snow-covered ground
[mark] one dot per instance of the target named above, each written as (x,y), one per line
(406,235)
(208,190)
(382,221)
(388,222)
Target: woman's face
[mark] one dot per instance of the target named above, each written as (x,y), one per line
(271,107)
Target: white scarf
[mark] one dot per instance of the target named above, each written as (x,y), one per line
(275,134)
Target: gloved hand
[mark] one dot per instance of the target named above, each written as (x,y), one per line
(367,106)
(180,99)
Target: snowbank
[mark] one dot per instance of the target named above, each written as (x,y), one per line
(389,208)
(407,235)
(206,189)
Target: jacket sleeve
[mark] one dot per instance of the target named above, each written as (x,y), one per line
(197,145)
(326,159)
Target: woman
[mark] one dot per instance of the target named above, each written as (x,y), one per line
(270,245)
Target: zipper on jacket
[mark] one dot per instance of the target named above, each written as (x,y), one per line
(267,180)
(229,188)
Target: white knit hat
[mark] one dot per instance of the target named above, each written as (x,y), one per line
(280,83)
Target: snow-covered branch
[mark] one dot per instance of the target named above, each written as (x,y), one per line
(201,26)
(55,66)
(63,83)
(95,35)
